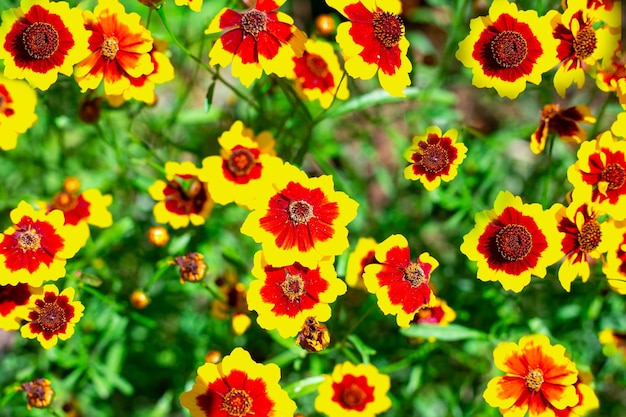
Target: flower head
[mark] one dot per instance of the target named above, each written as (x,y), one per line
(400,284)
(245,165)
(539,377)
(562,122)
(353,390)
(436,312)
(434,157)
(53,316)
(39,393)
(183,198)
(192,267)
(259,39)
(237,386)
(615,266)
(373,41)
(363,255)
(314,336)
(285,296)
(507,48)
(17,111)
(318,75)
(233,304)
(36,247)
(613,341)
(14,304)
(119,48)
(513,241)
(41,39)
(611,76)
(300,219)
(599,175)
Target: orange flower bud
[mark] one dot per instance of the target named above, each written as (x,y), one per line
(158,236)
(71,185)
(314,336)
(325,25)
(213,356)
(139,299)
(192,267)
(39,393)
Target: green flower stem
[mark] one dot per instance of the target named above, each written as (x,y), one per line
(356,324)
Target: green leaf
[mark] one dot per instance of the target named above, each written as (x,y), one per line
(447,333)
(364,350)
(304,386)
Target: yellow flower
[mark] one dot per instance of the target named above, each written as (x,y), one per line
(613,342)
(53,316)
(36,248)
(373,41)
(41,39)
(17,111)
(363,255)
(14,304)
(284,297)
(353,391)
(238,386)
(300,219)
(562,122)
(507,48)
(437,312)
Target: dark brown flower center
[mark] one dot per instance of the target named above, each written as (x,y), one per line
(292,286)
(434,159)
(589,236)
(534,379)
(109,48)
(414,274)
(613,174)
(388,28)
(317,65)
(585,43)
(353,396)
(253,22)
(40,40)
(241,162)
(64,201)
(300,212)
(509,48)
(29,240)
(51,317)
(236,403)
(513,242)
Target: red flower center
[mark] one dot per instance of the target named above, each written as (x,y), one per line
(293,286)
(29,240)
(253,22)
(300,212)
(589,237)
(388,28)
(352,396)
(613,174)
(434,158)
(513,242)
(241,161)
(353,392)
(317,65)
(51,317)
(414,274)
(236,402)
(585,43)
(534,379)
(109,48)
(40,40)
(509,48)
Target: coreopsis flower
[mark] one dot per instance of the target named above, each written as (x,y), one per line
(508,48)
(401,285)
(41,39)
(39,393)
(245,165)
(363,255)
(314,336)
(583,241)
(52,316)
(183,198)
(562,122)
(14,304)
(373,42)
(539,378)
(194,5)
(611,76)
(318,75)
(233,304)
(615,266)
(353,390)
(599,175)
(300,219)
(36,248)
(513,241)
(436,312)
(285,296)
(119,48)
(237,386)
(613,341)
(192,267)
(259,39)
(17,110)
(434,157)
(581,44)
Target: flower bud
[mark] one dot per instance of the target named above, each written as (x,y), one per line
(139,299)
(158,236)
(314,336)
(39,393)
(192,267)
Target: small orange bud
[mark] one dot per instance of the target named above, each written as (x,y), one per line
(192,267)
(39,393)
(158,236)
(325,25)
(213,356)
(314,336)
(139,299)
(71,185)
